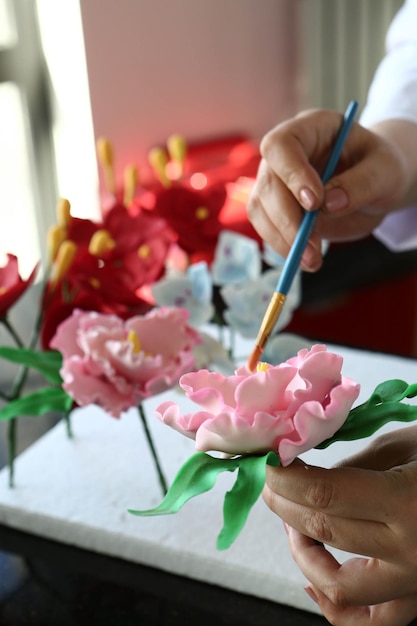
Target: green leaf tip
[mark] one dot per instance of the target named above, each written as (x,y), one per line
(199,475)
(239,501)
(383,406)
(37,403)
(46,362)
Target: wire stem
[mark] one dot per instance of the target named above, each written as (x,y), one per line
(11,440)
(12,332)
(67,418)
(17,388)
(162,480)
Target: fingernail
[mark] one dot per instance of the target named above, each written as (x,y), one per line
(336,200)
(311,593)
(307,198)
(286,527)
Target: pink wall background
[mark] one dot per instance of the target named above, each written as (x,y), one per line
(202,68)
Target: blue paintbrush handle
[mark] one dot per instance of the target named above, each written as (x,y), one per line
(294,257)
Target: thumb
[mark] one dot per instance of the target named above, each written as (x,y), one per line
(389,450)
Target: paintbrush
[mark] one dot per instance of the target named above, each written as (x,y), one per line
(294,257)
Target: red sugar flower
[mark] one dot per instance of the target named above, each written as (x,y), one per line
(12,286)
(193,216)
(113,261)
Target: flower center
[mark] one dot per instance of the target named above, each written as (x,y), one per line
(202,213)
(64,212)
(94,282)
(64,258)
(55,237)
(101,242)
(144,252)
(134,340)
(262,367)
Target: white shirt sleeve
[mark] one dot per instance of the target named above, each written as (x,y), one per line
(393,92)
(393,95)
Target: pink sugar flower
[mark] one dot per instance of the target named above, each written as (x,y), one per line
(116,364)
(288,408)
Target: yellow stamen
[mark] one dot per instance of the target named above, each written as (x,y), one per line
(144,252)
(177,148)
(55,237)
(105,151)
(158,160)
(101,242)
(262,367)
(105,157)
(63,211)
(63,262)
(94,282)
(202,213)
(130,182)
(134,339)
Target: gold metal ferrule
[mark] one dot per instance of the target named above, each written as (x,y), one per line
(270,318)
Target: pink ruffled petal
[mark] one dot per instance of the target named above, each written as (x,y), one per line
(167,338)
(135,366)
(168,377)
(86,389)
(231,435)
(265,391)
(288,408)
(301,355)
(95,341)
(65,338)
(313,423)
(318,374)
(91,321)
(210,390)
(169,413)
(106,356)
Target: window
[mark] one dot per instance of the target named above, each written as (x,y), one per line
(45,123)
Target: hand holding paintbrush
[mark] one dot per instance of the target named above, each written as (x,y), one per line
(293,260)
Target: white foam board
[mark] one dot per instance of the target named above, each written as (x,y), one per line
(77,491)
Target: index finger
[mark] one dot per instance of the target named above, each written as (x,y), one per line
(297,150)
(342,492)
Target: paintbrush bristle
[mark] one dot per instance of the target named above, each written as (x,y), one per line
(253,359)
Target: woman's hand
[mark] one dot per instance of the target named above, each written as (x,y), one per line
(375,175)
(367,505)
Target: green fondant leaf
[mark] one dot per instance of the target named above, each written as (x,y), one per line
(196,476)
(37,403)
(411,391)
(383,406)
(199,474)
(48,362)
(389,391)
(239,501)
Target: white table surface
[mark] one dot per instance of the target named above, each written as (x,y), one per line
(78,491)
